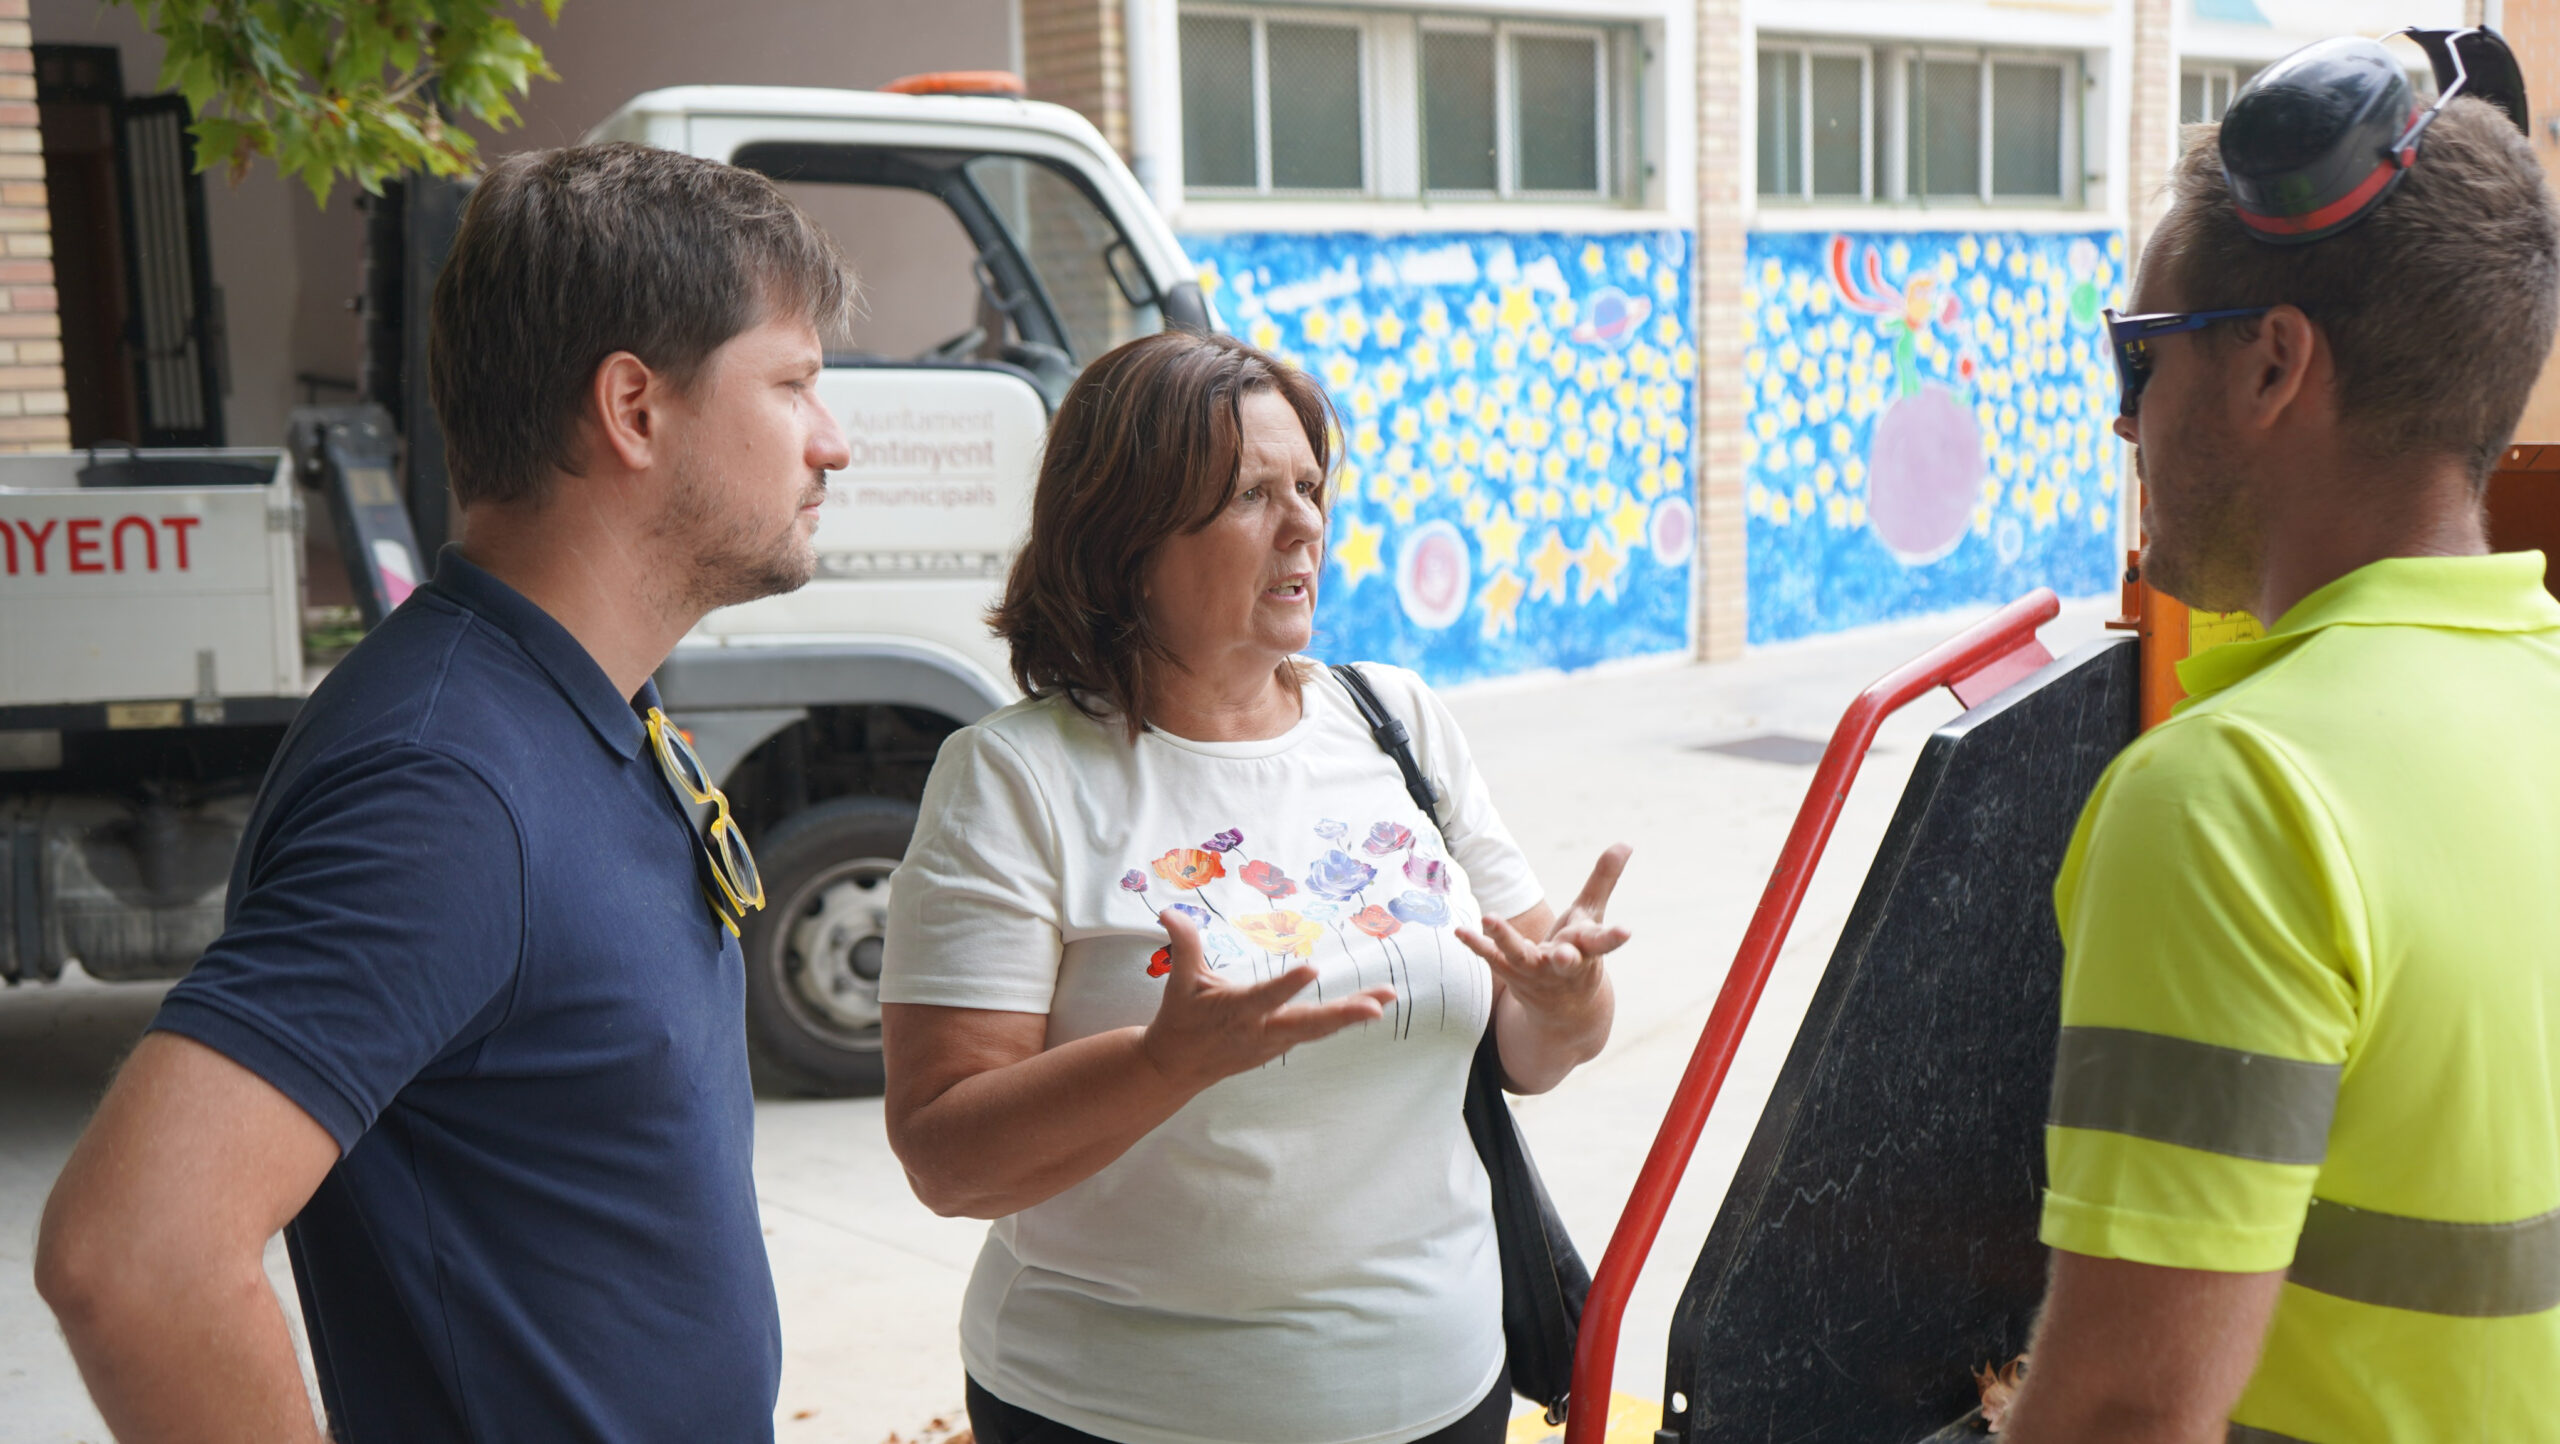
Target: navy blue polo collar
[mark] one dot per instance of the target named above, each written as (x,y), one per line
(571,668)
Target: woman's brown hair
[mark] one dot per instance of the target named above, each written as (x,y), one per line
(1145,447)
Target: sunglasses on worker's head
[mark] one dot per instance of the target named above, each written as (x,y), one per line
(733,887)
(2129,340)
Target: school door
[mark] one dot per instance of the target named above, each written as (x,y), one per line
(142,335)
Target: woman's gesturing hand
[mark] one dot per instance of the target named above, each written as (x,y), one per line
(1557,976)
(1557,983)
(1208,1028)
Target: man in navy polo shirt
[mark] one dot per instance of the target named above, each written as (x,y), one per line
(472,1036)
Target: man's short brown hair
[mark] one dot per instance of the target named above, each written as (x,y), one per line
(1146,446)
(568,256)
(2439,307)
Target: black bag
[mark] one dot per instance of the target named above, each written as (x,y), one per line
(1543,1278)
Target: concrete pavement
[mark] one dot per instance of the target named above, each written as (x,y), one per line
(870,1281)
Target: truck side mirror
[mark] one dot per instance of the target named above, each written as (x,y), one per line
(1136,286)
(1185,309)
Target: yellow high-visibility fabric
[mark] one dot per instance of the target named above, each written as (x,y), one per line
(2343,849)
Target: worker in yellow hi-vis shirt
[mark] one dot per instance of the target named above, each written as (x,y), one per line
(2304,1137)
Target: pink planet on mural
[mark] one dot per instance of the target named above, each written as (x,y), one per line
(1924,470)
(1675,531)
(1432,575)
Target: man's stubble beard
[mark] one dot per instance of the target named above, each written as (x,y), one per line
(728,559)
(2200,542)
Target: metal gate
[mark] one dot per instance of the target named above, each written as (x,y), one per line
(174,325)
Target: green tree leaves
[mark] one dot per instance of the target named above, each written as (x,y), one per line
(357,88)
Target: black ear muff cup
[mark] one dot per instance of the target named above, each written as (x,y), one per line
(2308,144)
(2486,67)
(2315,141)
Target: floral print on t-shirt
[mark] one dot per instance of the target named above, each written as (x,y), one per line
(1243,906)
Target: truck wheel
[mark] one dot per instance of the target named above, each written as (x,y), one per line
(813,953)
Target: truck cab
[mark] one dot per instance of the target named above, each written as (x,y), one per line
(998,246)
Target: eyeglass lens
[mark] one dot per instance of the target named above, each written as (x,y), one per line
(688,764)
(2133,370)
(731,848)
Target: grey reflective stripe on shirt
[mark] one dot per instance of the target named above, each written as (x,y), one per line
(2243,1434)
(2471,1270)
(2196,1095)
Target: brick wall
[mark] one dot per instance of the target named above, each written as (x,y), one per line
(2533,28)
(1723,396)
(2152,135)
(1074,55)
(34,409)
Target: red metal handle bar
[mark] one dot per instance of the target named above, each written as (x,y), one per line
(1980,648)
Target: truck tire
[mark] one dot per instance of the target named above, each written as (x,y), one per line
(813,953)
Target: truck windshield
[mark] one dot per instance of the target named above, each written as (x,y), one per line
(1077,252)
(971,257)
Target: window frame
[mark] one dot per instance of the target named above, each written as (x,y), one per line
(1886,141)
(1503,129)
(1804,53)
(1258,19)
(1394,105)
(1603,107)
(2227,74)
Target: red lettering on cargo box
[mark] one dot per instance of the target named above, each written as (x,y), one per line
(150,541)
(35,542)
(177,526)
(132,543)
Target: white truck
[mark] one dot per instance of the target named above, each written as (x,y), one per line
(156,621)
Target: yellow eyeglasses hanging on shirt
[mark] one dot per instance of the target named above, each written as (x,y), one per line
(724,847)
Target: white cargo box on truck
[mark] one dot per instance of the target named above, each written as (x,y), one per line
(154,602)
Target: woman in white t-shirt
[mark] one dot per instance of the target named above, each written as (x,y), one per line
(1182,987)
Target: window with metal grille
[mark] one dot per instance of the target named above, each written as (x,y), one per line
(1843,122)
(2204,92)
(1816,123)
(1289,101)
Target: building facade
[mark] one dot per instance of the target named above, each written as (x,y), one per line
(1657,328)
(1477,227)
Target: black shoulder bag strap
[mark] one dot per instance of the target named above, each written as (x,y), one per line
(1543,1278)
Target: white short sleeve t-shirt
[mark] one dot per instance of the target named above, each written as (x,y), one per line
(1305,1252)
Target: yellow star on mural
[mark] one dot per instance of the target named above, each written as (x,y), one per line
(1519,308)
(1547,565)
(1501,535)
(1500,601)
(1627,522)
(1357,551)
(1600,563)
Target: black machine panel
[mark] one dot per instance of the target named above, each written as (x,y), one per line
(353,454)
(1879,1239)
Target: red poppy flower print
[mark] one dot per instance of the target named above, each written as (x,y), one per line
(1376,921)
(1160,963)
(1190,867)
(1267,880)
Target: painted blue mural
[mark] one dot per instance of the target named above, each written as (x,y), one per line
(1515,485)
(1928,423)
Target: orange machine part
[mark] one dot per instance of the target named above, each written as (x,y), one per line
(2524,507)
(2160,621)
(957,82)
